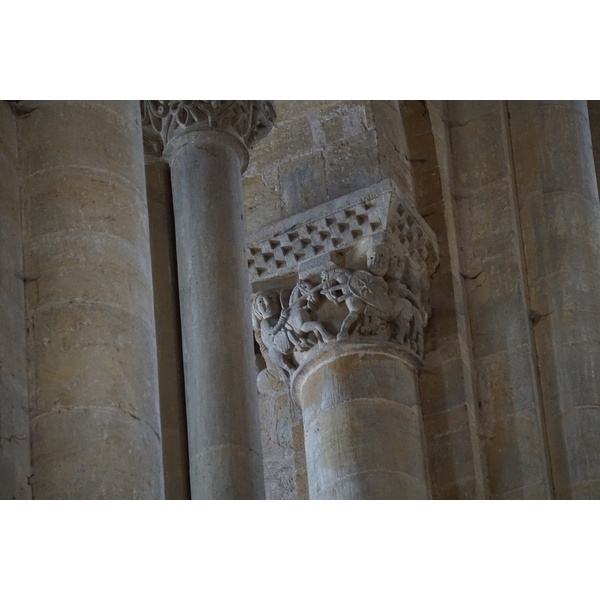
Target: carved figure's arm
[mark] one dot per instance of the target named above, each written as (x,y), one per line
(283,318)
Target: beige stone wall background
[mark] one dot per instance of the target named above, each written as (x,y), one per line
(321,150)
(508,393)
(15,456)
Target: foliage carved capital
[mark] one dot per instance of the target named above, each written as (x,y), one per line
(249,120)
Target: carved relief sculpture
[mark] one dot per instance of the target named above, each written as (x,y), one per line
(355,268)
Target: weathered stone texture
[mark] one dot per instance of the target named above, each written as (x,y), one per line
(497,397)
(15,459)
(89,298)
(318,151)
(446,383)
(284,460)
(496,290)
(560,218)
(218,356)
(362,424)
(510,362)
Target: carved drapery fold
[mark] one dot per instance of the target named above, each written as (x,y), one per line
(250,120)
(356,268)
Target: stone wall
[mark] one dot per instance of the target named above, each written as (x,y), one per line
(321,150)
(504,400)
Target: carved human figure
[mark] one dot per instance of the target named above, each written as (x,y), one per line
(378,259)
(270,319)
(407,282)
(364,294)
(367,297)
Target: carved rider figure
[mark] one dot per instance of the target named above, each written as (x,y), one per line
(284,330)
(370,298)
(363,293)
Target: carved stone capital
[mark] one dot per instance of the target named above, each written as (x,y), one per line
(248,120)
(355,269)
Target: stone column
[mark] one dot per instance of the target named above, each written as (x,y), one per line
(339,312)
(15,442)
(560,218)
(92,346)
(206,143)
(362,423)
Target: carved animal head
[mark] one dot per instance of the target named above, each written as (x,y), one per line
(306,289)
(334,282)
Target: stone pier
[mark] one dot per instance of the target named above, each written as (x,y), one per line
(92,346)
(560,219)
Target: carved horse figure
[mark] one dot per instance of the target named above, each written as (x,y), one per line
(302,300)
(366,295)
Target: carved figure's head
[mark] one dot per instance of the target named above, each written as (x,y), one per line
(378,259)
(264,305)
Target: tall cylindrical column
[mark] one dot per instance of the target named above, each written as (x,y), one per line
(95,419)
(560,219)
(206,145)
(15,443)
(362,423)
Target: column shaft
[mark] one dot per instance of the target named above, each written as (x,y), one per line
(220,376)
(560,218)
(95,419)
(362,424)
(15,444)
